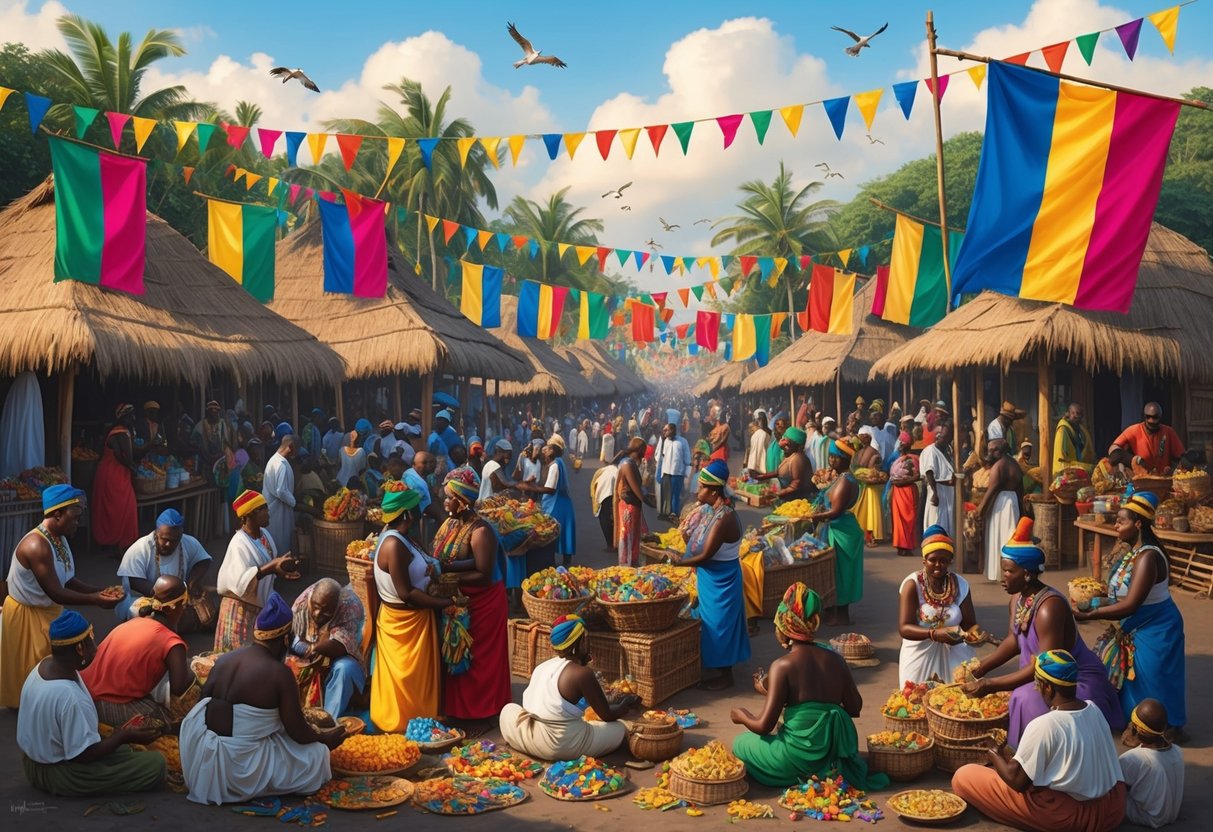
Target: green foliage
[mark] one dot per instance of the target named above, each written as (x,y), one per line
(1186,201)
(25,159)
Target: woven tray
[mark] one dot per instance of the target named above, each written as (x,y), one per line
(358,796)
(929,821)
(619,792)
(505,804)
(708,792)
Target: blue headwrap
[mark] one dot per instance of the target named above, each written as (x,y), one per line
(1022,550)
(1057,667)
(841,448)
(715,473)
(170,517)
(566,630)
(274,620)
(69,628)
(60,496)
(283,429)
(363,426)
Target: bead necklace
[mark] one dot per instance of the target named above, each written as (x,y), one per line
(1024,608)
(946,598)
(58,545)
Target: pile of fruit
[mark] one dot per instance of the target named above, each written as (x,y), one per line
(824,476)
(374,514)
(899,740)
(362,549)
(1082,590)
(933,804)
(358,792)
(626,583)
(485,759)
(794,508)
(672,541)
(952,701)
(149,470)
(373,753)
(425,729)
(81,453)
(556,583)
(684,717)
(581,778)
(345,506)
(907,702)
(1070,479)
(508,515)
(871,476)
(829,799)
(657,797)
(712,762)
(466,795)
(964,672)
(745,810)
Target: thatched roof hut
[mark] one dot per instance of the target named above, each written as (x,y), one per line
(596,375)
(548,373)
(1166,333)
(818,359)
(606,374)
(409,331)
(193,320)
(726,378)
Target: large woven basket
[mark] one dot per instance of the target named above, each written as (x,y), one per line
(330,540)
(1161,486)
(708,792)
(642,616)
(902,766)
(547,610)
(951,752)
(1195,487)
(896,723)
(150,485)
(654,747)
(953,728)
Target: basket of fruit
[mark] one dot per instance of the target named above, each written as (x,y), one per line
(551,593)
(1083,590)
(954,714)
(904,756)
(655,738)
(638,601)
(856,649)
(374,754)
(431,736)
(1193,486)
(871,476)
(927,806)
(904,710)
(708,776)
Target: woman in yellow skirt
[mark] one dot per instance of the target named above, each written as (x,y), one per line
(405,683)
(869,510)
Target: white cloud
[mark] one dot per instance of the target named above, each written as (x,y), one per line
(36,29)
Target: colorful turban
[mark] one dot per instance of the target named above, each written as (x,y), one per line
(715,474)
(841,448)
(1143,504)
(1022,550)
(60,496)
(935,539)
(566,630)
(396,503)
(248,502)
(463,483)
(274,620)
(1057,667)
(69,628)
(557,440)
(796,610)
(877,406)
(795,435)
(170,517)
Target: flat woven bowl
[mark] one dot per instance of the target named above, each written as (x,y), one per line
(361,793)
(623,789)
(346,772)
(352,725)
(519,796)
(891,804)
(443,745)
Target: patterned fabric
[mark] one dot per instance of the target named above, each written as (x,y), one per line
(630,527)
(234,627)
(799,604)
(345,626)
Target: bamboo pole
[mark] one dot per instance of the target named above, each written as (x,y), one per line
(295,404)
(484,408)
(397,400)
(427,409)
(838,397)
(340,408)
(939,180)
(497,399)
(958,500)
(1042,417)
(979,394)
(67,399)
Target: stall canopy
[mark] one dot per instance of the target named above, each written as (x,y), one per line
(411,330)
(605,373)
(548,372)
(726,378)
(192,322)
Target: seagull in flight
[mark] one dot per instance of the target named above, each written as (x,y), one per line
(666,226)
(618,192)
(625,207)
(829,174)
(860,43)
(531,55)
(287,74)
(653,244)
(700,222)
(872,140)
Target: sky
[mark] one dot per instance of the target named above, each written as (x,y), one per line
(632,64)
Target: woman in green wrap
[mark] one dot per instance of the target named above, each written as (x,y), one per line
(812,688)
(842,530)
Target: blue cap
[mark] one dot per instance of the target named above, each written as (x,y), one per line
(363,426)
(444,414)
(170,517)
(60,496)
(70,627)
(273,620)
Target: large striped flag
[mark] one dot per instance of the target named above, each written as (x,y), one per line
(1066,188)
(100,216)
(913,288)
(539,309)
(595,320)
(240,240)
(831,300)
(355,246)
(480,300)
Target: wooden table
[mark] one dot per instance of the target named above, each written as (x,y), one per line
(198,502)
(1192,540)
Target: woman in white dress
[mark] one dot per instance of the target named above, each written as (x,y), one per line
(756,454)
(936,609)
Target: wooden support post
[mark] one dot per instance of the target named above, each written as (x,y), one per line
(1042,417)
(497,400)
(397,401)
(958,514)
(427,408)
(67,397)
(792,402)
(943,202)
(838,398)
(340,409)
(979,388)
(484,409)
(296,420)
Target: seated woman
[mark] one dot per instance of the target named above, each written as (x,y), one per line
(1040,620)
(812,688)
(549,724)
(935,608)
(1143,649)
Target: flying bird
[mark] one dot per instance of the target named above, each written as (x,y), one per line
(625,207)
(287,74)
(666,226)
(618,192)
(531,55)
(700,222)
(829,174)
(833,174)
(653,244)
(860,43)
(872,140)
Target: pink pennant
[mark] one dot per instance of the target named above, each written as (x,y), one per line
(644,258)
(943,85)
(328,196)
(267,138)
(295,189)
(236,134)
(117,122)
(805,261)
(309,193)
(728,126)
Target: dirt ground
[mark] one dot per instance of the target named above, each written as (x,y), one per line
(875,616)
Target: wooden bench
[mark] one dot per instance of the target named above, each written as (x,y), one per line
(1191,571)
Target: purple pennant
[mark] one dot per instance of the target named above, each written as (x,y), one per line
(836,109)
(1129,33)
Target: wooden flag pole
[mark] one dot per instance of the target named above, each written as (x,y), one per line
(884,206)
(939,180)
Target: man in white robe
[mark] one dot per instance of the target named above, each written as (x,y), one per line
(278,488)
(165,551)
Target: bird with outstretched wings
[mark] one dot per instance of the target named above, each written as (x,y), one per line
(286,74)
(531,55)
(860,43)
(618,192)
(667,226)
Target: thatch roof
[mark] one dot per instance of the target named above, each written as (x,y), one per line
(726,378)
(410,330)
(192,321)
(547,373)
(603,383)
(605,373)
(1165,334)
(816,358)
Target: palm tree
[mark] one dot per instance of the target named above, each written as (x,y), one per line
(557,220)
(778,221)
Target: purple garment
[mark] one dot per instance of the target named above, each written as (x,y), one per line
(1093,684)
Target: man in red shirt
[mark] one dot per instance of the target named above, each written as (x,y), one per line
(1153,445)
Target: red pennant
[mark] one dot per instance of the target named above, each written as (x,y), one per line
(603,254)
(728,126)
(117,122)
(236,134)
(353,202)
(1055,55)
(1022,60)
(659,298)
(267,138)
(644,258)
(707,329)
(802,320)
(666,314)
(747,264)
(642,322)
(943,85)
(681,330)
(656,134)
(806,260)
(188,173)
(449,227)
(348,145)
(229,171)
(520,242)
(604,139)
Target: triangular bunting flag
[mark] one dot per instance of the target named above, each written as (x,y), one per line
(943,85)
(426,146)
(978,74)
(117,123)
(836,111)
(315,144)
(464,146)
(761,119)
(469,235)
(766,265)
(904,93)
(236,134)
(503,241)
(642,257)
(520,242)
(603,138)
(1129,34)
(603,254)
(845,256)
(395,146)
(185,129)
(271,185)
(698,291)
(187,173)
(685,296)
(683,131)
(656,134)
(1055,55)
(251,179)
(728,127)
(572,141)
(5,92)
(267,139)
(1086,45)
(659,298)
(143,128)
(1167,24)
(667,261)
(628,139)
(449,227)
(561,248)
(781,263)
(747,264)
(551,141)
(489,143)
(623,254)
(806,260)
(516,143)
(86,115)
(348,144)
(584,253)
(205,130)
(791,117)
(293,141)
(483,238)
(867,102)
(1020,59)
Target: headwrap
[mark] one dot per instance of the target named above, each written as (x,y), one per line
(69,628)
(274,620)
(150,404)
(1008,409)
(877,406)
(536,443)
(445,414)
(796,435)
(935,539)
(783,414)
(1141,726)
(475,447)
(387,424)
(248,502)
(213,405)
(123,409)
(60,496)
(841,448)
(401,426)
(566,630)
(828,420)
(503,445)
(463,483)
(241,455)
(798,606)
(1022,550)
(715,474)
(859,401)
(557,440)
(1143,504)
(1057,667)
(283,429)
(904,438)
(317,412)
(396,503)
(170,517)
(362,426)
(160,606)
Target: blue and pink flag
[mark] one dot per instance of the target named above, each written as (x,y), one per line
(355,246)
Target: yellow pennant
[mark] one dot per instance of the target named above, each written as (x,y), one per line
(792,116)
(465,147)
(628,139)
(432,222)
(315,143)
(584,253)
(143,129)
(271,185)
(395,146)
(709,289)
(777,319)
(867,103)
(482,238)
(516,143)
(489,143)
(781,263)
(844,256)
(978,74)
(561,248)
(571,141)
(5,92)
(185,129)
(238,174)
(1167,24)
(251,179)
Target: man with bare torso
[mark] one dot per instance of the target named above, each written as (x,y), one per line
(999,508)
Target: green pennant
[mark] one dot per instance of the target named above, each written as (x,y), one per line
(726,284)
(647,299)
(624,255)
(205,131)
(84,119)
(698,290)
(761,120)
(401,215)
(1086,45)
(683,131)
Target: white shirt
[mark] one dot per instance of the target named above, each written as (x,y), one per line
(1070,752)
(23,584)
(1156,785)
(757,457)
(57,720)
(140,561)
(486,478)
(669,452)
(531,468)
(238,573)
(936,461)
(881,439)
(553,479)
(995,430)
(605,484)
(583,443)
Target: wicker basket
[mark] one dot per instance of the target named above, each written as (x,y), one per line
(655,748)
(708,792)
(330,539)
(896,723)
(954,729)
(1161,486)
(150,485)
(853,651)
(665,727)
(362,580)
(643,616)
(1194,488)
(1047,517)
(547,610)
(816,573)
(951,752)
(902,766)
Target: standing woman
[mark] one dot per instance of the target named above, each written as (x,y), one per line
(1143,649)
(760,439)
(555,499)
(467,545)
(114,514)
(903,503)
(607,452)
(713,535)
(405,681)
(935,608)
(842,531)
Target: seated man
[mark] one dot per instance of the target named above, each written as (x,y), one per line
(142,666)
(61,751)
(1154,770)
(1064,775)
(549,725)
(327,646)
(168,550)
(246,738)
(813,689)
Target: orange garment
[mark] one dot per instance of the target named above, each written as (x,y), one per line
(1037,810)
(130,661)
(1157,450)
